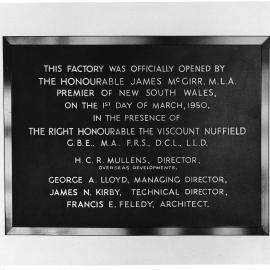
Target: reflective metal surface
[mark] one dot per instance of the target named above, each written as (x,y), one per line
(140,40)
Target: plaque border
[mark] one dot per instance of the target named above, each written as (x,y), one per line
(263,41)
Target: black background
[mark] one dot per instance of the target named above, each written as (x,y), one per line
(36,158)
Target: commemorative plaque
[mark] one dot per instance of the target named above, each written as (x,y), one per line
(136,135)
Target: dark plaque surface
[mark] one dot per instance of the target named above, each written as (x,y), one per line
(136,135)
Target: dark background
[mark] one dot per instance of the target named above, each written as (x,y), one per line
(35,158)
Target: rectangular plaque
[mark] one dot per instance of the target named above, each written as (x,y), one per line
(136,135)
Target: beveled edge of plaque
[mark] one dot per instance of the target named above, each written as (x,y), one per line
(162,231)
(135,40)
(7,135)
(265,136)
(264,41)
